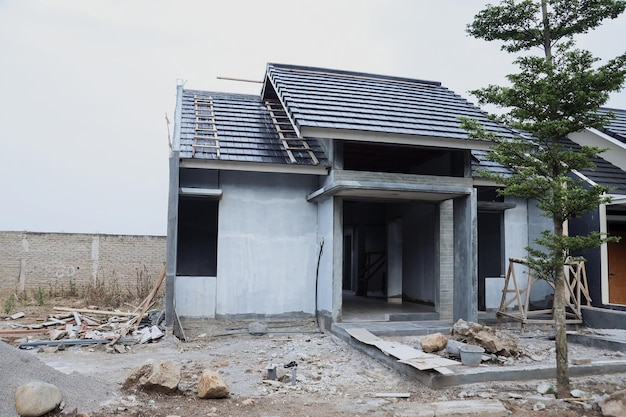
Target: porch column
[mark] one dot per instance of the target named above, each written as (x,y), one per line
(394,261)
(465,258)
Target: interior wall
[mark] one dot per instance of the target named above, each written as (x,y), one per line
(420,252)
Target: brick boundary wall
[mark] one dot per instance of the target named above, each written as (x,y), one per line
(31,260)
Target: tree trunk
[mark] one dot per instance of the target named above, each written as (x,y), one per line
(547,36)
(560,297)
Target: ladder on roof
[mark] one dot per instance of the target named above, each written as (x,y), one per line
(205,132)
(287,134)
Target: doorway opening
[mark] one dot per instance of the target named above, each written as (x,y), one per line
(390,258)
(616,226)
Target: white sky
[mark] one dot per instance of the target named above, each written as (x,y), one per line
(85,85)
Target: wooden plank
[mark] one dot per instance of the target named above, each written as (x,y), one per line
(103,312)
(22,331)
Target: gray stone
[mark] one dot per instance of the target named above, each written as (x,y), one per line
(257,328)
(614,405)
(36,399)
(546,388)
(211,385)
(162,376)
(434,342)
(539,407)
(576,393)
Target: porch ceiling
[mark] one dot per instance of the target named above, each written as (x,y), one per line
(389,191)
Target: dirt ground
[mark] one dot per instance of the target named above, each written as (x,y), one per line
(332,379)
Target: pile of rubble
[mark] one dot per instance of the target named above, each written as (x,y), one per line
(89,326)
(72,327)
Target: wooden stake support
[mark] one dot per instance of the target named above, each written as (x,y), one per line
(575,282)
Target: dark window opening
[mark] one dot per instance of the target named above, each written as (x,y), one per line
(197,237)
(489,194)
(403,159)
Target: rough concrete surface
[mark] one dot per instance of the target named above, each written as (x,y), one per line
(332,378)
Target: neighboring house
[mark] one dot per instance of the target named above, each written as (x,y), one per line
(606,267)
(332,185)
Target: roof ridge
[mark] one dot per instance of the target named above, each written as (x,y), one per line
(354,75)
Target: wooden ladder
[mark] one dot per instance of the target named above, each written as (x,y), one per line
(205,132)
(287,134)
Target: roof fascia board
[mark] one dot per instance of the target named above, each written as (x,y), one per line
(486,182)
(253,167)
(390,138)
(178,111)
(282,103)
(596,132)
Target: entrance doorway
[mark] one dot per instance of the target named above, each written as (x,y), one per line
(389,259)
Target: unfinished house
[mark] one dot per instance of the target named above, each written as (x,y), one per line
(331,194)
(607,266)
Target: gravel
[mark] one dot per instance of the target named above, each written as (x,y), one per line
(21,367)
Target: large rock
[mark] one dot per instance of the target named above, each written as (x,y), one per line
(211,385)
(614,405)
(498,342)
(159,376)
(36,399)
(434,342)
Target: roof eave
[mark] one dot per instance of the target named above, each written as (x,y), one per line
(401,139)
(253,166)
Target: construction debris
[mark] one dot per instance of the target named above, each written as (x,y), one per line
(498,342)
(84,326)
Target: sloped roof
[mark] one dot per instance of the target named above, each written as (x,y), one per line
(617,126)
(244,129)
(318,98)
(605,173)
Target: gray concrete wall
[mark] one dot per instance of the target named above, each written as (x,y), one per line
(267,245)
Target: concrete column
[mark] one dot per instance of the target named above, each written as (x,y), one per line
(465,303)
(445,266)
(172,238)
(394,261)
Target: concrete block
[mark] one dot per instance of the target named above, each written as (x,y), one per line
(482,408)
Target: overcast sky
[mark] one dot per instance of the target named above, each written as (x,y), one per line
(85,86)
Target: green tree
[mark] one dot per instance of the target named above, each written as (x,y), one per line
(554,93)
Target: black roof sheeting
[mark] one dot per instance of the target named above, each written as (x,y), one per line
(617,126)
(317,97)
(245,131)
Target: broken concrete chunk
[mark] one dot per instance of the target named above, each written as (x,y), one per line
(614,405)
(159,376)
(498,342)
(18,315)
(57,334)
(211,385)
(434,342)
(546,388)
(36,399)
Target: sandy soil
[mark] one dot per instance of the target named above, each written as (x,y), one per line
(332,378)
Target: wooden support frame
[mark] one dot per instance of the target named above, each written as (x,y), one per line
(576,286)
